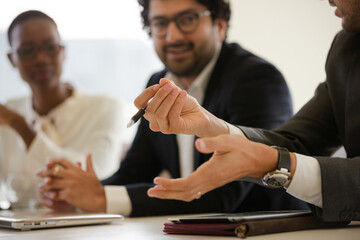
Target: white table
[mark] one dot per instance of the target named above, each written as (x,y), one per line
(151,228)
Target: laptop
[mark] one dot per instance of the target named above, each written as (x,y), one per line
(27,220)
(241,217)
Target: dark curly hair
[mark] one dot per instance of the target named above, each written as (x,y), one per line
(22,17)
(218,9)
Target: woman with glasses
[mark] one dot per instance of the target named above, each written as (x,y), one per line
(56,120)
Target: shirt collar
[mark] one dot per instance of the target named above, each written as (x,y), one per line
(202,79)
(55,112)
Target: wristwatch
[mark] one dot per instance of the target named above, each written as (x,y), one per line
(281,176)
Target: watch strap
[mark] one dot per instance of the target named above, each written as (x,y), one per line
(284,159)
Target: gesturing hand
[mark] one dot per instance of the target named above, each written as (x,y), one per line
(71,184)
(172,111)
(234,157)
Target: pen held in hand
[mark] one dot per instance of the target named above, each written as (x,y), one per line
(136,117)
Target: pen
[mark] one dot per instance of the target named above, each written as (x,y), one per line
(136,117)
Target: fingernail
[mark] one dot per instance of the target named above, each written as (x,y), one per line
(156,87)
(202,144)
(47,180)
(52,195)
(182,93)
(156,180)
(167,87)
(175,91)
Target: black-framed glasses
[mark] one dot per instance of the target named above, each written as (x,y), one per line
(186,22)
(30,52)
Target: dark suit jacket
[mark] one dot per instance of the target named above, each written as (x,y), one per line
(330,119)
(243,89)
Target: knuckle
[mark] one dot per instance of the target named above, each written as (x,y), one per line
(154,127)
(165,132)
(161,116)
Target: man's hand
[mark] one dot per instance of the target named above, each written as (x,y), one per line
(234,157)
(171,111)
(71,184)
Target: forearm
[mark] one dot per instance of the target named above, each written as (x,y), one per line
(214,127)
(26,132)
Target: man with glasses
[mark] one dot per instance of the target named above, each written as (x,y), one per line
(189,38)
(303,161)
(56,120)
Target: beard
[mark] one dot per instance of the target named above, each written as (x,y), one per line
(351,20)
(189,66)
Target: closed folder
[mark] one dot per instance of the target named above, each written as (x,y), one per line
(246,228)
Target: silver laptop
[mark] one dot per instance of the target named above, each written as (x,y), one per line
(27,220)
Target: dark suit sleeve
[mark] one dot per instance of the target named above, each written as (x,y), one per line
(313,132)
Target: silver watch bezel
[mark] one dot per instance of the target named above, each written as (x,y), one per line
(277,178)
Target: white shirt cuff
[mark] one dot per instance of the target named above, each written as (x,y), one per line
(234,130)
(306,182)
(117,200)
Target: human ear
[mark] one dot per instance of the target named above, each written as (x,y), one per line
(10,57)
(222,28)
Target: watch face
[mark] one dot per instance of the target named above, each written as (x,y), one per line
(276,180)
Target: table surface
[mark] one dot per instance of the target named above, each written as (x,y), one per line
(151,228)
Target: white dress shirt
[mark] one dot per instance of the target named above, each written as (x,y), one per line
(80,125)
(117,198)
(306,182)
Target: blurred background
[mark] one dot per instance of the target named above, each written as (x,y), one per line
(109,53)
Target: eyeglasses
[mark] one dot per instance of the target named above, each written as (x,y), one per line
(29,53)
(186,22)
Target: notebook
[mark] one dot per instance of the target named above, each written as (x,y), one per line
(27,220)
(240,217)
(248,224)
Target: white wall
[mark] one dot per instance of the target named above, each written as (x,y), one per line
(295,35)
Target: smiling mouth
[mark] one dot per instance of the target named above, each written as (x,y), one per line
(178,51)
(178,47)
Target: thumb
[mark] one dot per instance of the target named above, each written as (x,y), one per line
(213,144)
(89,166)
